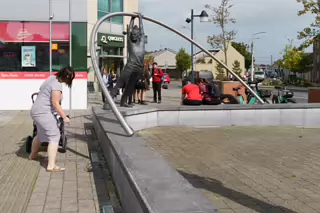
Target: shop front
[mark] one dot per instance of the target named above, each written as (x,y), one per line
(111,52)
(25,61)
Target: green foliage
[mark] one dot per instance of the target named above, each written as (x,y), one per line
(272,82)
(242,48)
(183,61)
(220,73)
(236,68)
(291,58)
(306,62)
(310,34)
(201,60)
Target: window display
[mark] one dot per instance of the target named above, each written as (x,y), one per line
(25,46)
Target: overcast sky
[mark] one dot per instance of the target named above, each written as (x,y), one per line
(276,17)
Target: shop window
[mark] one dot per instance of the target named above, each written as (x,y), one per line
(107,6)
(104,6)
(117,6)
(79,46)
(101,14)
(24,46)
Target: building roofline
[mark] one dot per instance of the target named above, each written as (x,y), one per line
(212,50)
(158,52)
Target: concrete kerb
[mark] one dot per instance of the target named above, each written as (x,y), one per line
(145,182)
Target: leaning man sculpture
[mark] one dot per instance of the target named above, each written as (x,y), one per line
(135,63)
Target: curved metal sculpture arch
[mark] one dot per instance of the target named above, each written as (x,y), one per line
(94,59)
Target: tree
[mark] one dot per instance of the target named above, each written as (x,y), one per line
(310,34)
(291,58)
(242,48)
(221,17)
(220,72)
(183,61)
(236,68)
(306,62)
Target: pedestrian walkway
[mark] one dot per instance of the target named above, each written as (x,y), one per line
(17,174)
(26,187)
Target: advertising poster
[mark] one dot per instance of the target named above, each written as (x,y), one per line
(28,56)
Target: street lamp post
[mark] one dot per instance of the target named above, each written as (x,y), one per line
(204,17)
(252,52)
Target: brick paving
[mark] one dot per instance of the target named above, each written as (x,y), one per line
(17,174)
(246,169)
(85,186)
(25,186)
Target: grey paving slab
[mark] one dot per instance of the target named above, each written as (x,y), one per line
(17,174)
(246,169)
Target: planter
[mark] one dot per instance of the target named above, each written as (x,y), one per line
(314,95)
(227,88)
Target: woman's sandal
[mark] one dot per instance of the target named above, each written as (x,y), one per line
(56,169)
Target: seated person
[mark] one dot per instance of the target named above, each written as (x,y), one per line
(210,96)
(191,94)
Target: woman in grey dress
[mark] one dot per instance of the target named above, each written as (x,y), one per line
(42,112)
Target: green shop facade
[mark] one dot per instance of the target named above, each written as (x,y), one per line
(111,51)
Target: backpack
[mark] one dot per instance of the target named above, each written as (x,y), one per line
(213,90)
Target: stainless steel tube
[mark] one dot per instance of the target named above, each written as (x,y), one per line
(94,60)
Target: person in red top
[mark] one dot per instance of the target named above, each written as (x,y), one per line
(157,75)
(191,94)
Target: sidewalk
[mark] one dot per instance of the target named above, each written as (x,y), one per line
(26,187)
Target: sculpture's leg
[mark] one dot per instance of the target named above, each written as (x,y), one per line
(128,91)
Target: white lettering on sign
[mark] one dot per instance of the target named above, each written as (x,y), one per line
(23,34)
(107,39)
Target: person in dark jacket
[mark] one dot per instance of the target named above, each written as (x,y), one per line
(141,88)
(157,75)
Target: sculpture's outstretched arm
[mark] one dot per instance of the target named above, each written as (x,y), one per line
(141,24)
(131,24)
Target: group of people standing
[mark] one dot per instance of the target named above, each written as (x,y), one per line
(141,86)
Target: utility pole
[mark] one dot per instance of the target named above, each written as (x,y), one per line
(50,36)
(271,61)
(70,55)
(252,61)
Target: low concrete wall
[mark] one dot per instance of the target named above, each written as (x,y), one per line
(144,181)
(307,115)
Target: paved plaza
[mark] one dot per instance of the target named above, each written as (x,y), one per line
(26,187)
(246,169)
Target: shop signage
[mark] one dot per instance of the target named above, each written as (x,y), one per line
(110,40)
(35,75)
(16,31)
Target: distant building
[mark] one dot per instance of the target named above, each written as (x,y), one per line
(166,59)
(204,62)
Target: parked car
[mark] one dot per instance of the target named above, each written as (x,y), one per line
(166,78)
(273,75)
(198,74)
(259,75)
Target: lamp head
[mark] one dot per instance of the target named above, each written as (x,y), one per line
(204,17)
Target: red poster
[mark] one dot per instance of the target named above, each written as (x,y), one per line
(33,32)
(35,75)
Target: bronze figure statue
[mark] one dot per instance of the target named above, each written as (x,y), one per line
(135,63)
